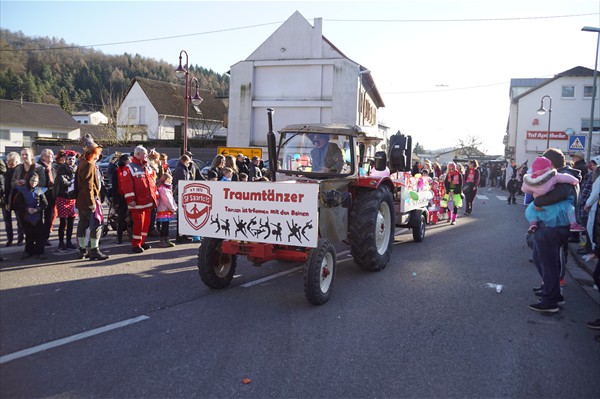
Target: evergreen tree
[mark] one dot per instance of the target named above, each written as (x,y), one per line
(64,101)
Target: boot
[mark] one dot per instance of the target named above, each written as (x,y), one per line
(169,243)
(453,219)
(449,216)
(83,253)
(70,245)
(61,246)
(95,254)
(163,242)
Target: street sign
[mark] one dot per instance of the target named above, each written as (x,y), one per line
(577,142)
(247,151)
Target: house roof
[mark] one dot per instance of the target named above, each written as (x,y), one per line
(99,132)
(577,71)
(168,99)
(33,114)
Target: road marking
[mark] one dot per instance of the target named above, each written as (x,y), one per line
(67,340)
(482,197)
(271,277)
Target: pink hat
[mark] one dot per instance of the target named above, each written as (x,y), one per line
(540,166)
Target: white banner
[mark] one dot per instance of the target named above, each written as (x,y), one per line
(276,213)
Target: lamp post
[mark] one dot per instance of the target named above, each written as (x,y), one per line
(589,146)
(542,111)
(183,72)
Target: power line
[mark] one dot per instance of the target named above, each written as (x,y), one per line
(463,19)
(279,22)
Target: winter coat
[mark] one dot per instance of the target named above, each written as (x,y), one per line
(88,184)
(64,178)
(139,185)
(542,184)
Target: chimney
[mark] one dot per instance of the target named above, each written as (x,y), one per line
(317,38)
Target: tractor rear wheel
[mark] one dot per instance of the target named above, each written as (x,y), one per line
(216,268)
(372,228)
(319,272)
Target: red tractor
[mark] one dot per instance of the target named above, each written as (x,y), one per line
(351,205)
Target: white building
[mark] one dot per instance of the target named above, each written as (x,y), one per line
(90,117)
(152,109)
(305,79)
(568,95)
(21,123)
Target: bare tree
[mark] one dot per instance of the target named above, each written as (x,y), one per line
(469,147)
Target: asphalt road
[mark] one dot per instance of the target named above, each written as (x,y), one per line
(430,325)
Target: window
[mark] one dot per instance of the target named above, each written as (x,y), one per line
(132,114)
(29,138)
(57,135)
(142,115)
(568,92)
(4,134)
(587,91)
(585,125)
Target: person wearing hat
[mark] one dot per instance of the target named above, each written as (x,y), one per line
(65,203)
(88,200)
(326,156)
(544,178)
(580,164)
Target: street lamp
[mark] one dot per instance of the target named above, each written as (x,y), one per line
(589,148)
(542,111)
(183,72)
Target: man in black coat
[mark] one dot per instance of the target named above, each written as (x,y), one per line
(580,164)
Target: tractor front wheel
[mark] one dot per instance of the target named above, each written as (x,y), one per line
(319,272)
(418,227)
(216,268)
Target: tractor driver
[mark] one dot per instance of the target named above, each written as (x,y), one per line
(326,156)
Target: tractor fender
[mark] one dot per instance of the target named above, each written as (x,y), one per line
(372,183)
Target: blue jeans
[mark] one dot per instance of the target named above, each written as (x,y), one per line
(546,257)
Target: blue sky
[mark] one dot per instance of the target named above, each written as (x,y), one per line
(443,67)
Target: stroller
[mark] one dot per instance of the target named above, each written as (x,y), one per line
(112,217)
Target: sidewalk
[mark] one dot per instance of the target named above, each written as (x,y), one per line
(582,271)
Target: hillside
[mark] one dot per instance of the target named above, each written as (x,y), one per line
(48,70)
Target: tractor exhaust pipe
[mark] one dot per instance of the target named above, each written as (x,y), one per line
(271,146)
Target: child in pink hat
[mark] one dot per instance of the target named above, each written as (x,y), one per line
(544,178)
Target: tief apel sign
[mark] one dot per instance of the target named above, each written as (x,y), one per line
(267,212)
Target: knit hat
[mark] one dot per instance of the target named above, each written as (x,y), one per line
(540,166)
(88,143)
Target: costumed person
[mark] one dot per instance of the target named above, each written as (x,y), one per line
(139,190)
(434,211)
(117,196)
(88,201)
(472,176)
(453,183)
(166,209)
(544,178)
(64,186)
(29,203)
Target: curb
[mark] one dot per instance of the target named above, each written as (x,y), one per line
(582,272)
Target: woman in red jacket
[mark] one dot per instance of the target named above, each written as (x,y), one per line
(471,178)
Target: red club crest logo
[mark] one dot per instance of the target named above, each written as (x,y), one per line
(196,202)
